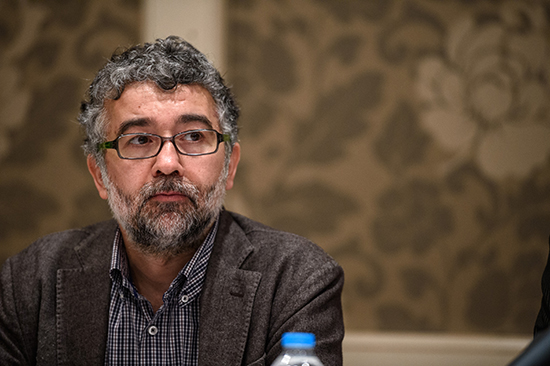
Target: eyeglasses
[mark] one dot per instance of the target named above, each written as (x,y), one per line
(148,145)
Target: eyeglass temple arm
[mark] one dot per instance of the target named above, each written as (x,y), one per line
(107,145)
(224,138)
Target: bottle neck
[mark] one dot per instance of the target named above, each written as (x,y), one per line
(299,351)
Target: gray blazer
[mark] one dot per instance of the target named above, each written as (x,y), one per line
(260,282)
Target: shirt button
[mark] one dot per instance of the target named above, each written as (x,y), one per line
(184,298)
(153,330)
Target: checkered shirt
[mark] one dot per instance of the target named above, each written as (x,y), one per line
(137,336)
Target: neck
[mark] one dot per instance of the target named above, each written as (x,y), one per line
(153,274)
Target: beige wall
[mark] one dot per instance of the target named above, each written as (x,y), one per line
(416,349)
(202,23)
(408,138)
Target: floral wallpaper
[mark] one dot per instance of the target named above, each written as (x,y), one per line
(49,51)
(410,139)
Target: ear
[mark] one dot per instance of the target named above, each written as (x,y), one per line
(233,162)
(96,174)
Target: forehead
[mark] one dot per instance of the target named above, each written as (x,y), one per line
(148,105)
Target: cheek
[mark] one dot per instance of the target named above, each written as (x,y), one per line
(128,178)
(205,173)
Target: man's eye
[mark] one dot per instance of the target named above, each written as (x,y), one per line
(140,140)
(193,136)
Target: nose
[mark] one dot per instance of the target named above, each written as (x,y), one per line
(168,161)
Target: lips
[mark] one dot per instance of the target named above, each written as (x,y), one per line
(169,197)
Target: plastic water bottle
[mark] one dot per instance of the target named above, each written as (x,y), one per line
(298,350)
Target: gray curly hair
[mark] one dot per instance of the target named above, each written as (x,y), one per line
(167,62)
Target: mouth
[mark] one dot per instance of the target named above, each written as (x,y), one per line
(169,197)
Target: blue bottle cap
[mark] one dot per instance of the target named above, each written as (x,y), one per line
(298,340)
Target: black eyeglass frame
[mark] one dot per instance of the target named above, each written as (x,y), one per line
(114,143)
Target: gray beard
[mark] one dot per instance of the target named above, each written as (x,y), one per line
(167,228)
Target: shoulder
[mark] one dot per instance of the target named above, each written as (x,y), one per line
(62,248)
(272,248)
(262,235)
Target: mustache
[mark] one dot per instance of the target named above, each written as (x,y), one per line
(170,184)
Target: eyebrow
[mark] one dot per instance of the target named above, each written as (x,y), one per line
(137,122)
(184,118)
(187,118)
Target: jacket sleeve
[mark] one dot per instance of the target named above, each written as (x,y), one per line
(315,308)
(12,343)
(543,317)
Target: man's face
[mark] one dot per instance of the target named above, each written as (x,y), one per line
(164,204)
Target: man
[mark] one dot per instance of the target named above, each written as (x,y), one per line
(174,278)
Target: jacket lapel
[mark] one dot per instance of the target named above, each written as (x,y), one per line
(227,298)
(83,295)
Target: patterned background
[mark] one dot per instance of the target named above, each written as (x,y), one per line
(408,138)
(49,51)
